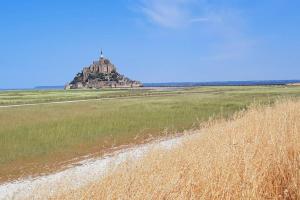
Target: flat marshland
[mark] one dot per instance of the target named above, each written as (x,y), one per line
(38,138)
(254,155)
(16,97)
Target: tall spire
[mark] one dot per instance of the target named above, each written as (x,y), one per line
(101,56)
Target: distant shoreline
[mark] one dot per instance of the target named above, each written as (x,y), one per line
(187,84)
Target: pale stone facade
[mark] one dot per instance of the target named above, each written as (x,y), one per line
(101,66)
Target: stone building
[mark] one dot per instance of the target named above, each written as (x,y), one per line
(103,65)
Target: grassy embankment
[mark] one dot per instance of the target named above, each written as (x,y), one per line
(38,138)
(255,155)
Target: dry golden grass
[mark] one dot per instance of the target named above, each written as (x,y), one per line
(256,155)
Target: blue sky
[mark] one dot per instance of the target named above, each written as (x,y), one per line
(48,42)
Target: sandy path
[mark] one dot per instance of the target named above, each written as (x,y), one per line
(84,100)
(78,175)
(54,102)
(101,98)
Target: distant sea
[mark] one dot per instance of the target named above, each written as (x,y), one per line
(221,83)
(185,84)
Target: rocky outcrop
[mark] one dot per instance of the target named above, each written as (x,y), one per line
(101,74)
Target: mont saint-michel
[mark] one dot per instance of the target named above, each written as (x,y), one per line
(101,74)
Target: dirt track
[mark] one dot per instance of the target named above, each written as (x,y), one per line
(78,174)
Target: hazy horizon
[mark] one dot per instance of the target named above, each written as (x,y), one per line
(182,84)
(153,41)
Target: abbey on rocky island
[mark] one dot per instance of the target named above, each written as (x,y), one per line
(101,74)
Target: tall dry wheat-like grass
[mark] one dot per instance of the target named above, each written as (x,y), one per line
(256,155)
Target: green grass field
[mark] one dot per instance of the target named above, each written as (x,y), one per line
(43,96)
(38,138)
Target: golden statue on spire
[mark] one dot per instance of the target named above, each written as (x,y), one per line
(101,56)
